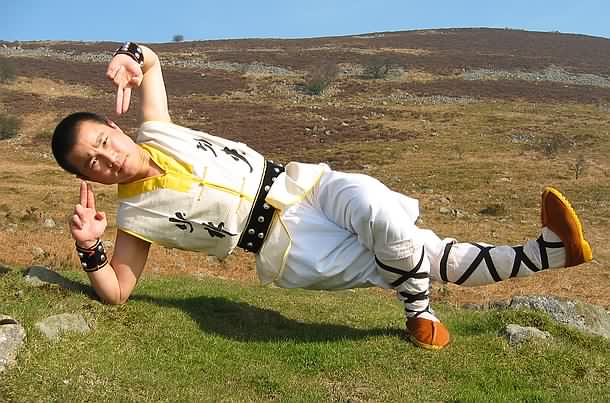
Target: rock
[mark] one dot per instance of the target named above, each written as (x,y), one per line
(48,223)
(12,335)
(38,276)
(516,334)
(54,326)
(37,251)
(444,210)
(582,316)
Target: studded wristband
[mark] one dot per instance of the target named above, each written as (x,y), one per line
(93,258)
(132,50)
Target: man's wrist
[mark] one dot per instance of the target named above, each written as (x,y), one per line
(132,50)
(86,244)
(92,258)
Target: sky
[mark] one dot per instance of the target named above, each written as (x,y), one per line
(159,21)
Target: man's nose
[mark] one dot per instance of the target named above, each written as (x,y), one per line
(109,157)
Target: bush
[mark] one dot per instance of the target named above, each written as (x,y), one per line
(320,78)
(377,67)
(178,38)
(9,126)
(7,70)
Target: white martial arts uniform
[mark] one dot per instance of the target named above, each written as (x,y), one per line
(331,230)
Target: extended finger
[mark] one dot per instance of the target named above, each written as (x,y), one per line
(119,101)
(126,99)
(83,193)
(90,197)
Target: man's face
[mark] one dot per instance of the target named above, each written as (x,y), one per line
(104,154)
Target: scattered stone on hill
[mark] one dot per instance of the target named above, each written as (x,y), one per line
(38,276)
(516,334)
(37,251)
(580,315)
(48,223)
(54,326)
(551,73)
(586,317)
(12,335)
(405,97)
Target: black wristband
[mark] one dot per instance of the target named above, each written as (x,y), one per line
(132,50)
(93,258)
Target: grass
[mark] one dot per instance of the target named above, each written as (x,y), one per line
(183,339)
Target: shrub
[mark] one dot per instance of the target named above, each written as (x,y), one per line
(320,78)
(7,70)
(9,126)
(178,38)
(377,67)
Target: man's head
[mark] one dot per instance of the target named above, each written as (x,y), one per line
(94,148)
(65,136)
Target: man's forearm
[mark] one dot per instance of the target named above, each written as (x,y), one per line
(106,285)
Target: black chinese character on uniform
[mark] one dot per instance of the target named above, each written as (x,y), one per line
(237,156)
(216,230)
(182,222)
(205,146)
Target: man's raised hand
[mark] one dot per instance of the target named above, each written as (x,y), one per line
(126,74)
(86,224)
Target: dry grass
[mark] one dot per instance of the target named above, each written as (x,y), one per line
(48,88)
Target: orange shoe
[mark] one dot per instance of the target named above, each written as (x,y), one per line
(427,333)
(558,215)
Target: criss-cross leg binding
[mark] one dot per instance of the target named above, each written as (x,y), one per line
(485,255)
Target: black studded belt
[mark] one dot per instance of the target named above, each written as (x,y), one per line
(261,215)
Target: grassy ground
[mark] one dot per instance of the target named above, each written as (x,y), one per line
(206,339)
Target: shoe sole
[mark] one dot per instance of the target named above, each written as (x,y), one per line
(426,346)
(569,231)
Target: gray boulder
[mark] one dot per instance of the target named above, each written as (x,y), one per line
(582,316)
(516,334)
(54,326)
(12,335)
(39,276)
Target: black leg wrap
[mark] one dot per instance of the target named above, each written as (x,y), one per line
(404,275)
(409,298)
(93,258)
(444,259)
(483,255)
(417,313)
(542,244)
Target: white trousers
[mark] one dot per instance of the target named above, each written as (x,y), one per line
(352,231)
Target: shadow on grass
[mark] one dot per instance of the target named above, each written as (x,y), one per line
(244,322)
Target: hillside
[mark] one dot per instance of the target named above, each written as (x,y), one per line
(472,122)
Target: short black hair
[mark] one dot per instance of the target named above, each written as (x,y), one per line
(64,137)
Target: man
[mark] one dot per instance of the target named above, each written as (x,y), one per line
(309,226)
